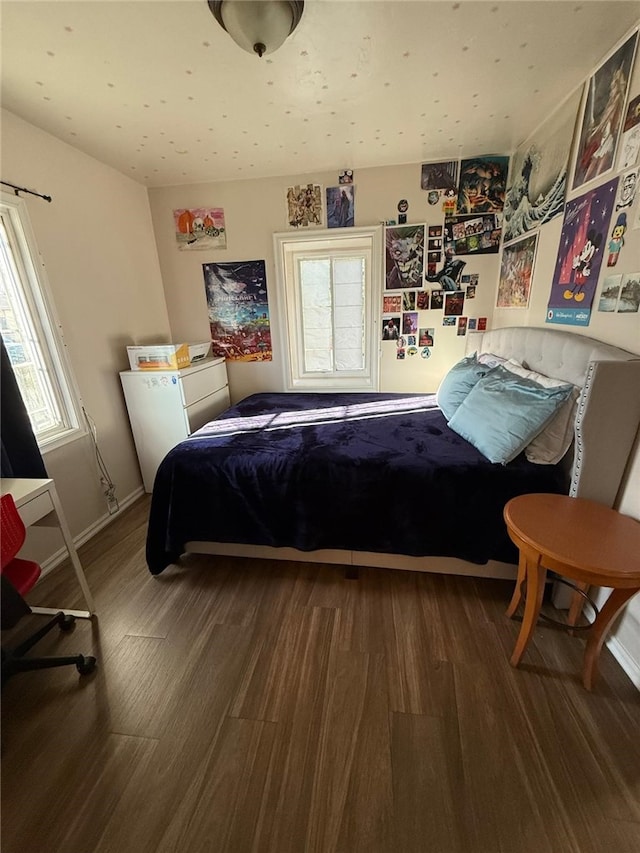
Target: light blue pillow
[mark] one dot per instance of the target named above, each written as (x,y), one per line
(504,412)
(458,382)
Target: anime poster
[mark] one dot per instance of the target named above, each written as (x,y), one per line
(304,205)
(473,235)
(483,184)
(582,246)
(404,256)
(630,139)
(340,211)
(539,168)
(603,115)
(442,175)
(200,228)
(516,273)
(238,310)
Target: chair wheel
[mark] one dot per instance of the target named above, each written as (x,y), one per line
(67,623)
(87,666)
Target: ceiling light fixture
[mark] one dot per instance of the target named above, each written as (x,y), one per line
(257,26)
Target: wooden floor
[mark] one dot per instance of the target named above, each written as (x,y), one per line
(268,706)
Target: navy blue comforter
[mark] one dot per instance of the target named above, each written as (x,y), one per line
(363,472)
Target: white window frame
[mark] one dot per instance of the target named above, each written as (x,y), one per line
(45,323)
(290,246)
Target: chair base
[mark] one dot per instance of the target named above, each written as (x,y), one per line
(14,660)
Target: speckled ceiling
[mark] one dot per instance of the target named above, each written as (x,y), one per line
(160,92)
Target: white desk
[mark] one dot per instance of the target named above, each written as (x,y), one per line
(39,504)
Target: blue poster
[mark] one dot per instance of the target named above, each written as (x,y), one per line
(238,310)
(582,245)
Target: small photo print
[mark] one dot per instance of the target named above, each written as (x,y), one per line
(462,325)
(426,338)
(409,300)
(422,300)
(411,340)
(392,304)
(435,231)
(449,321)
(471,291)
(400,353)
(390,328)
(610,293)
(471,325)
(410,323)
(437,299)
(454,303)
(435,244)
(442,175)
(482,324)
(345,176)
(629,301)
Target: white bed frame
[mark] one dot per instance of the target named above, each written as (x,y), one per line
(607,422)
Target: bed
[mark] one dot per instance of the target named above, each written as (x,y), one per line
(381,479)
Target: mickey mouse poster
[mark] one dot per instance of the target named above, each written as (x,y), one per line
(582,246)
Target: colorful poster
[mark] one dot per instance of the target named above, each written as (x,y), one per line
(603,115)
(340,209)
(582,245)
(483,184)
(404,256)
(516,273)
(392,304)
(473,235)
(200,228)
(238,310)
(304,205)
(539,173)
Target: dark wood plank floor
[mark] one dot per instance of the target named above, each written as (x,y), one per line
(265,706)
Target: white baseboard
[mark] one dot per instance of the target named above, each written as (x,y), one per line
(88,533)
(630,665)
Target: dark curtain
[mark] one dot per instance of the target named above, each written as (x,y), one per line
(21,455)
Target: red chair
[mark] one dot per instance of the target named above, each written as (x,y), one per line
(18,577)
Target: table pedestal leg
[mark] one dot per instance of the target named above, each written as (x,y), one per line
(536,576)
(517,592)
(598,632)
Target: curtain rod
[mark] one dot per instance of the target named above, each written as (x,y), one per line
(19,190)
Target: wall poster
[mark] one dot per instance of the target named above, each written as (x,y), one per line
(340,206)
(483,184)
(404,256)
(582,245)
(304,205)
(200,228)
(603,114)
(238,310)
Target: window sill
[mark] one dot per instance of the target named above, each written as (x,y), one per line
(60,441)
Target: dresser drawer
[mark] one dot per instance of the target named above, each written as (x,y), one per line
(201,383)
(200,413)
(35,509)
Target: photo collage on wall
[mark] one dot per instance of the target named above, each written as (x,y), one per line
(407,272)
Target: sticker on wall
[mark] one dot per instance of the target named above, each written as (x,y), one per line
(627,190)
(345,176)
(425,352)
(391,328)
(400,353)
(516,272)
(412,351)
(584,231)
(304,205)
(433,196)
(340,206)
(483,184)
(403,207)
(603,115)
(630,139)
(411,340)
(441,175)
(200,228)
(404,256)
(238,310)
(617,238)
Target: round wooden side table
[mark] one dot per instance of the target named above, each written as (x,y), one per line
(578,539)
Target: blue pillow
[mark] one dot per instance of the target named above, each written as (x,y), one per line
(458,383)
(504,412)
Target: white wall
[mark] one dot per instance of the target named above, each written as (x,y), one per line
(97,244)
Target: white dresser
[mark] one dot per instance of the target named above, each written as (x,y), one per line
(166,406)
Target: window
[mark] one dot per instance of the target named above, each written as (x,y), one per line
(329,287)
(30,332)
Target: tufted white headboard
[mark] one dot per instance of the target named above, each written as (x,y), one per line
(608,416)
